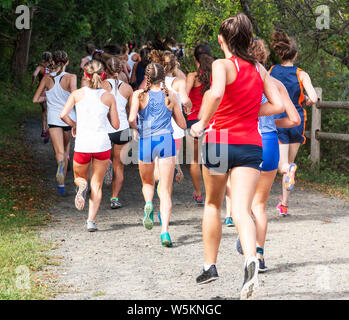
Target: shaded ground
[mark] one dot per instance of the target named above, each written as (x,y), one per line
(306,252)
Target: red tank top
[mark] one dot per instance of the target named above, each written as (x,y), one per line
(196,99)
(236,119)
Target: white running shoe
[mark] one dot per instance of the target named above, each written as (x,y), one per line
(250,286)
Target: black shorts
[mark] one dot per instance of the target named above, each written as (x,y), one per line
(120,137)
(221,158)
(65,128)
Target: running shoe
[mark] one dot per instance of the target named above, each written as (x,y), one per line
(207,276)
(108,178)
(166,240)
(198,199)
(179,176)
(250,286)
(282,209)
(61,190)
(228,222)
(159,216)
(81,191)
(46,136)
(115,203)
(262,266)
(91,226)
(238,246)
(60,173)
(148,219)
(290,177)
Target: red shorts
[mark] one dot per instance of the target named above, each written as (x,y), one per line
(83,158)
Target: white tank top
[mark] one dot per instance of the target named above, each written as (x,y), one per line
(92,123)
(121,103)
(56,98)
(130,62)
(178,133)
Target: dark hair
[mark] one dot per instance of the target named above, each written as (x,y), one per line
(238,34)
(60,58)
(46,56)
(90,48)
(284,47)
(113,49)
(260,50)
(155,74)
(101,57)
(144,53)
(132,45)
(202,54)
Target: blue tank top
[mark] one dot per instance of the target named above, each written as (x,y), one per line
(289,76)
(155,118)
(267,123)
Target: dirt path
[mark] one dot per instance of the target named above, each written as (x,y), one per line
(307,252)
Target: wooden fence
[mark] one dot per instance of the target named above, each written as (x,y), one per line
(316,135)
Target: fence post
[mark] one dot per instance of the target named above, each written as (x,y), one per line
(315,126)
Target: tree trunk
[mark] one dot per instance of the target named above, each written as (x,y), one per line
(21,52)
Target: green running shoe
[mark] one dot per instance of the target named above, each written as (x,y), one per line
(148,219)
(166,240)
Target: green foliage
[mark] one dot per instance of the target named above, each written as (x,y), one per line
(21,199)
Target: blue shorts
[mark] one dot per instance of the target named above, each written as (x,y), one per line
(221,158)
(294,134)
(162,146)
(271,155)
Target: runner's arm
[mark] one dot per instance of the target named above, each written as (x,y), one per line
(38,98)
(275,104)
(190,82)
(212,97)
(69,105)
(35,74)
(186,102)
(177,113)
(134,110)
(306,81)
(109,100)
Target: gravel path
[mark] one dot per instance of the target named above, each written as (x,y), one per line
(306,252)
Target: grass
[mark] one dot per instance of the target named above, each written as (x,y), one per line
(22,203)
(327,177)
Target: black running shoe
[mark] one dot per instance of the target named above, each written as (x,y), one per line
(262,266)
(250,287)
(207,276)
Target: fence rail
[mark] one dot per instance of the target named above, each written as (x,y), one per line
(316,135)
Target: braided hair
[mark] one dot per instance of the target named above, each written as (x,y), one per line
(155,74)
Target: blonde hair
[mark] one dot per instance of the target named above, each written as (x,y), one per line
(93,69)
(155,74)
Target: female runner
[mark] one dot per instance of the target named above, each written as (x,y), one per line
(93,105)
(155,106)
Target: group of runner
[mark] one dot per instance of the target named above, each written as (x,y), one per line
(240,121)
